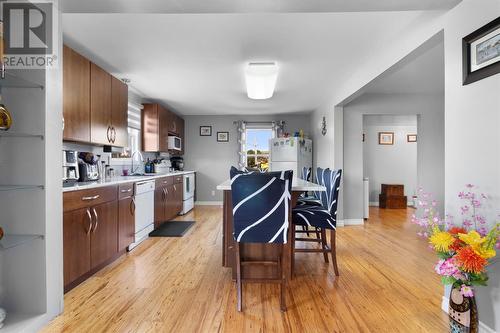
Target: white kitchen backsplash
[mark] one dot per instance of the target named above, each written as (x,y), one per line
(118,164)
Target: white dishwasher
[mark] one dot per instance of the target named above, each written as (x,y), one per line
(144,211)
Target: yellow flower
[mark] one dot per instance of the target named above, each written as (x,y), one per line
(486,253)
(441,240)
(473,238)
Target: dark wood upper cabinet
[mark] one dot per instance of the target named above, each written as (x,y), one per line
(181,134)
(119,112)
(76,96)
(100,106)
(150,128)
(164,116)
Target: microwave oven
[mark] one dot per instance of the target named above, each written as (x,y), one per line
(174,143)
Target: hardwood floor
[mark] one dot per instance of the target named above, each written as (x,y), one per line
(386,284)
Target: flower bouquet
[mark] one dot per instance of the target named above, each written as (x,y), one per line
(464,252)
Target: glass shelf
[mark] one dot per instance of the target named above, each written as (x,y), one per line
(20,135)
(13,81)
(12,241)
(20,187)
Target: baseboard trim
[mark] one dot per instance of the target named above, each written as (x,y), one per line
(354,222)
(483,328)
(340,223)
(208,203)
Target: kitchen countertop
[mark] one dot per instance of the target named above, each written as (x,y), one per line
(121,180)
(297,185)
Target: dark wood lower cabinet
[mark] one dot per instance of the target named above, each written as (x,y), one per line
(76,236)
(104,240)
(126,222)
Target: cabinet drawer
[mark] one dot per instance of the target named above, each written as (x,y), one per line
(178,179)
(125,190)
(164,181)
(86,198)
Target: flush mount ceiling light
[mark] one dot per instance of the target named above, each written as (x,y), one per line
(261,79)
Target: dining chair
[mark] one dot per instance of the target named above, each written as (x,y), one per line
(316,198)
(322,218)
(261,214)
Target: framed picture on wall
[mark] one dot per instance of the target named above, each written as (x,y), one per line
(411,138)
(481,53)
(222,136)
(205,130)
(385,138)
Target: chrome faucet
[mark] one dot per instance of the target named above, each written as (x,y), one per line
(134,171)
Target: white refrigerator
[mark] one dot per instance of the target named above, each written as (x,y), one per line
(290,154)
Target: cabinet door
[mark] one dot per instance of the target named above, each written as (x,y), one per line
(126,222)
(170,204)
(76,244)
(178,195)
(173,124)
(100,106)
(76,96)
(119,112)
(164,116)
(150,128)
(181,135)
(104,236)
(160,200)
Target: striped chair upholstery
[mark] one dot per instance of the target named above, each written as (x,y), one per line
(318,197)
(261,203)
(306,173)
(324,216)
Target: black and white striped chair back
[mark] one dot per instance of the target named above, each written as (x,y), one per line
(320,180)
(329,200)
(306,173)
(261,205)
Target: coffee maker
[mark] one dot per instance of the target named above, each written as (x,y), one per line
(71,172)
(177,163)
(88,167)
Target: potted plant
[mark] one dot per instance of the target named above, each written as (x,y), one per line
(464,251)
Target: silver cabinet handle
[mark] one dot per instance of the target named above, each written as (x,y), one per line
(165,182)
(91,198)
(90,222)
(132,206)
(175,188)
(113,132)
(96,219)
(107,133)
(127,191)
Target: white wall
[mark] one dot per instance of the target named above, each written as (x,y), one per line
(390,164)
(472,122)
(211,159)
(430,147)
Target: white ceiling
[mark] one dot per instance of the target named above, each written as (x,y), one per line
(194,63)
(250,6)
(423,74)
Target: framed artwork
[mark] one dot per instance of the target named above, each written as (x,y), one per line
(205,130)
(481,53)
(411,138)
(385,138)
(222,136)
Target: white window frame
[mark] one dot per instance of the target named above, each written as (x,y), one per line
(247,144)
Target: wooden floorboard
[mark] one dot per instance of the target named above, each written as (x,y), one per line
(386,284)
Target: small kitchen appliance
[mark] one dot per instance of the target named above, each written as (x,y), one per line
(88,167)
(70,168)
(174,143)
(177,163)
(163,166)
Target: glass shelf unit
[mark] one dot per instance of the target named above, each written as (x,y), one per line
(20,135)
(19,187)
(14,81)
(12,241)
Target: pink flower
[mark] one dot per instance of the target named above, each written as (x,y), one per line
(466,291)
(446,267)
(464,209)
(483,231)
(469,185)
(467,223)
(476,203)
(480,219)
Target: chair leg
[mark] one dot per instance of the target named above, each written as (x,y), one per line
(283,281)
(238,277)
(334,252)
(324,244)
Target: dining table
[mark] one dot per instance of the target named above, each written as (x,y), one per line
(259,251)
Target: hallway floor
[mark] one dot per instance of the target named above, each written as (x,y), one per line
(386,284)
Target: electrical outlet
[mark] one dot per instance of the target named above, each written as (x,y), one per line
(213,193)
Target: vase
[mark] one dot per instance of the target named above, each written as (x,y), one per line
(462,313)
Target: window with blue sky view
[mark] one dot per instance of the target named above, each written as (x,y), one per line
(257,147)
